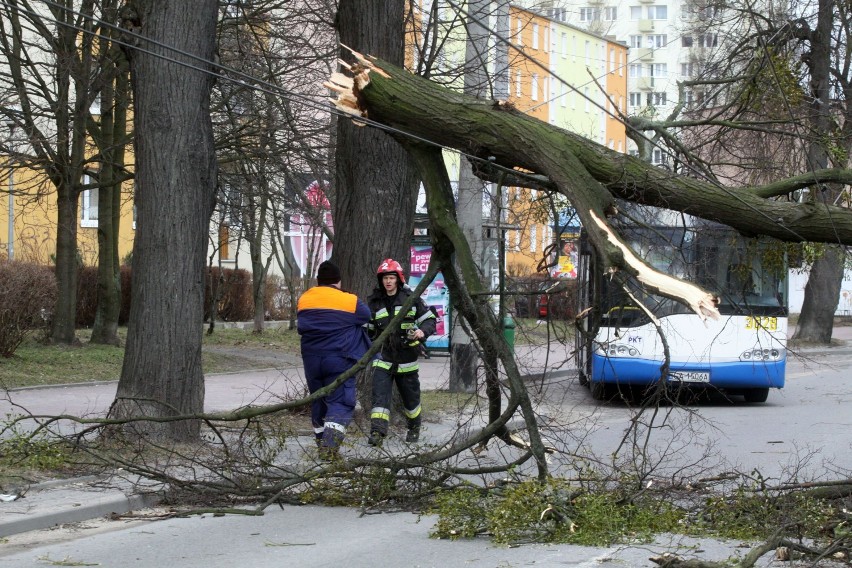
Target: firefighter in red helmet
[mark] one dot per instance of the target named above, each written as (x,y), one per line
(397,361)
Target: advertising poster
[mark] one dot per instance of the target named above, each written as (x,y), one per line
(436,296)
(566,266)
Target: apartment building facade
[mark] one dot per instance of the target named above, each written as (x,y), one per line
(575,80)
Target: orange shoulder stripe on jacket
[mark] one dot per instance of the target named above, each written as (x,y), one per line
(328,298)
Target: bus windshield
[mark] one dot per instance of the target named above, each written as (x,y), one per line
(740,272)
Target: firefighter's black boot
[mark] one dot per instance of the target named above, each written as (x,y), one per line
(376,439)
(413,434)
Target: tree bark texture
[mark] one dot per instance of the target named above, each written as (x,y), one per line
(822,292)
(73,70)
(816,320)
(176,180)
(375,184)
(112,141)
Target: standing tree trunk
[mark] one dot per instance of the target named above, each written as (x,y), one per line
(259,265)
(822,292)
(176,181)
(74,67)
(114,102)
(65,317)
(375,187)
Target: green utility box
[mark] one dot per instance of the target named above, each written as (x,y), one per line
(509,332)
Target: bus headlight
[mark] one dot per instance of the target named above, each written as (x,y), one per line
(762,354)
(617,350)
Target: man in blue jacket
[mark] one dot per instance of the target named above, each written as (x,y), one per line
(331,326)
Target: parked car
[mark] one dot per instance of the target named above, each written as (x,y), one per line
(537,297)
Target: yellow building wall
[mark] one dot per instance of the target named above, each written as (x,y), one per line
(34,218)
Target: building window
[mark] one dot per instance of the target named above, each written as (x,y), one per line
(560,14)
(658,70)
(657,41)
(658,13)
(588,100)
(590,14)
(517,246)
(635,99)
(564,45)
(635,41)
(657,98)
(633,153)
(89,205)
(519,37)
(635,70)
(563,96)
(686,41)
(535,36)
(588,53)
(635,13)
(708,40)
(610,13)
(534,87)
(687,69)
(688,97)
(533,237)
(518,91)
(709,12)
(611,59)
(658,157)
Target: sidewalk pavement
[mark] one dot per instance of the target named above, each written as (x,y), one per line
(59,502)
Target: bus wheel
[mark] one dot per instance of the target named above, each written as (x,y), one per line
(583,378)
(756,395)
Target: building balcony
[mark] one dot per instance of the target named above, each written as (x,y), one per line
(643,53)
(645,26)
(642,83)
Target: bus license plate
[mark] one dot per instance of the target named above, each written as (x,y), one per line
(762,322)
(690,376)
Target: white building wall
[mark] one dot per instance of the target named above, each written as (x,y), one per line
(799,279)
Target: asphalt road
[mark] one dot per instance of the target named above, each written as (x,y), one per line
(801,432)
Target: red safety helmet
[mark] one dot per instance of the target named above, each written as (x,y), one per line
(390,266)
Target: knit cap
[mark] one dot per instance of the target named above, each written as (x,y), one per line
(328,273)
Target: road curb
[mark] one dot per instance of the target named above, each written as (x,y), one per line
(59,502)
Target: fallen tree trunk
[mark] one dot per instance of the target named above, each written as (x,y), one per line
(588,174)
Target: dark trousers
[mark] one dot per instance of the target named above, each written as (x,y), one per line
(408,384)
(331,414)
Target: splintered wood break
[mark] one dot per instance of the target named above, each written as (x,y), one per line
(701,302)
(347,87)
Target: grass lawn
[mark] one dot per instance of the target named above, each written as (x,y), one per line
(228,349)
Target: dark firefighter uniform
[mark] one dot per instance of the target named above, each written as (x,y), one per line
(397,362)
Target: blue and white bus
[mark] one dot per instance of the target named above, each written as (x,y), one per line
(620,351)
